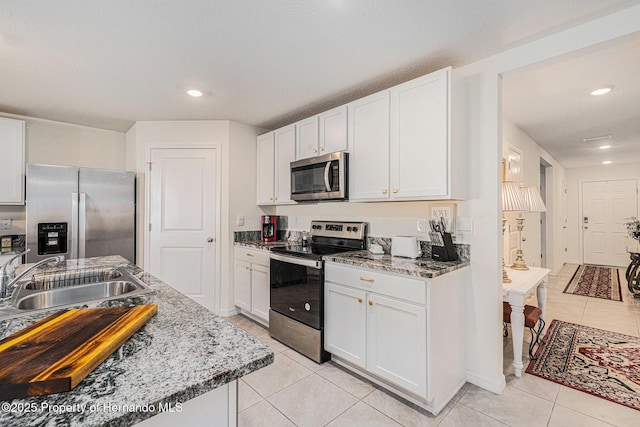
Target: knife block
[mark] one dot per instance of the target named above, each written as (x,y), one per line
(446,252)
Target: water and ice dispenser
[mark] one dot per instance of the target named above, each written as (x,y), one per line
(52,238)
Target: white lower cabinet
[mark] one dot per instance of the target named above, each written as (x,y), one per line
(396,342)
(345,306)
(404,333)
(251,283)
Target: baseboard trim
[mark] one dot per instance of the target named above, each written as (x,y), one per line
(496,385)
(228,312)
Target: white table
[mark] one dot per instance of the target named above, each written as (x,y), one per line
(523,283)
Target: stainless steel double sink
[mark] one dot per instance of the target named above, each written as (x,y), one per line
(68,288)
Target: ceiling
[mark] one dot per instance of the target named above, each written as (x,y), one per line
(551,103)
(108,64)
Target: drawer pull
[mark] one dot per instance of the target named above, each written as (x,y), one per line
(248,254)
(364,279)
(360,300)
(371,302)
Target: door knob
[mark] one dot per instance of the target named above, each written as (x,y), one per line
(210,240)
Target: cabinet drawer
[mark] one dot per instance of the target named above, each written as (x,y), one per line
(254,256)
(404,288)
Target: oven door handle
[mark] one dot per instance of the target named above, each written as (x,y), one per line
(298,261)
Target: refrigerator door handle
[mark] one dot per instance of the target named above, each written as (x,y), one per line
(82,221)
(74,225)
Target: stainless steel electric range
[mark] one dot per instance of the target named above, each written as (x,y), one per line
(296,317)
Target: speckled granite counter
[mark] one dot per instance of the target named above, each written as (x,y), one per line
(261,245)
(181,353)
(421,267)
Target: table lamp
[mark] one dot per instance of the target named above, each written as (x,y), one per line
(512,201)
(534,203)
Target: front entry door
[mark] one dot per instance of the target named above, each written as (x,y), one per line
(182,216)
(606,206)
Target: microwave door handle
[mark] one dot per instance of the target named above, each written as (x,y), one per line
(327,169)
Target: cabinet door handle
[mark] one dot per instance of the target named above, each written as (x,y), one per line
(371,302)
(384,191)
(247,268)
(359,300)
(271,198)
(395,190)
(314,150)
(321,149)
(364,279)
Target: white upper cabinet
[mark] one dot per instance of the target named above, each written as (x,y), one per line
(322,134)
(13,159)
(420,137)
(266,168)
(276,150)
(333,130)
(405,151)
(307,138)
(368,133)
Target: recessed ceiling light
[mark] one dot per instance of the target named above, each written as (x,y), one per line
(604,147)
(596,138)
(602,90)
(195,93)
(606,162)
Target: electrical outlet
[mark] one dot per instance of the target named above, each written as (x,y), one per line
(422,225)
(5,224)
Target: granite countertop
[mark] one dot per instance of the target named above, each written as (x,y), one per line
(181,353)
(420,267)
(262,245)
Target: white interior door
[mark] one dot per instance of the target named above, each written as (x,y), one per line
(606,206)
(182,217)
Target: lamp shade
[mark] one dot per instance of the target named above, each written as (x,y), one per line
(512,200)
(533,200)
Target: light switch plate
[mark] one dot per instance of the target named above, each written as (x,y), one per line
(5,224)
(464,225)
(240,220)
(422,225)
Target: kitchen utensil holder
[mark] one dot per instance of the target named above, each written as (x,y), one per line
(446,252)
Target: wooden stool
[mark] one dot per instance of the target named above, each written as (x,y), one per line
(531,318)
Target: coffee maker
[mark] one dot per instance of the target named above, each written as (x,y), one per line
(271,227)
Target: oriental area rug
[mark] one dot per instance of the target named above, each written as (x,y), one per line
(601,363)
(595,281)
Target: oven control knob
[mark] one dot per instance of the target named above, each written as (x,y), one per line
(348,228)
(307,306)
(355,229)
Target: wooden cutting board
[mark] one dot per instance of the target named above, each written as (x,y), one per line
(56,353)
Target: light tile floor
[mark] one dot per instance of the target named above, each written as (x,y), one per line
(294,391)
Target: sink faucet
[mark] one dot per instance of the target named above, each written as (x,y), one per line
(8,279)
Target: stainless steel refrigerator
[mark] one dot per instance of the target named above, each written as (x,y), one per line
(79,212)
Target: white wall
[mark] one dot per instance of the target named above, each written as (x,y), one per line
(575,177)
(484,321)
(237,156)
(531,155)
(60,143)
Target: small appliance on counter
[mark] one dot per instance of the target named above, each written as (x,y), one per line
(405,246)
(272,227)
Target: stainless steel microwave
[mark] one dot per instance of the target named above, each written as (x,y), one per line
(320,178)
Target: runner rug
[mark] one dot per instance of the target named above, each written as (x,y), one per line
(601,363)
(597,282)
